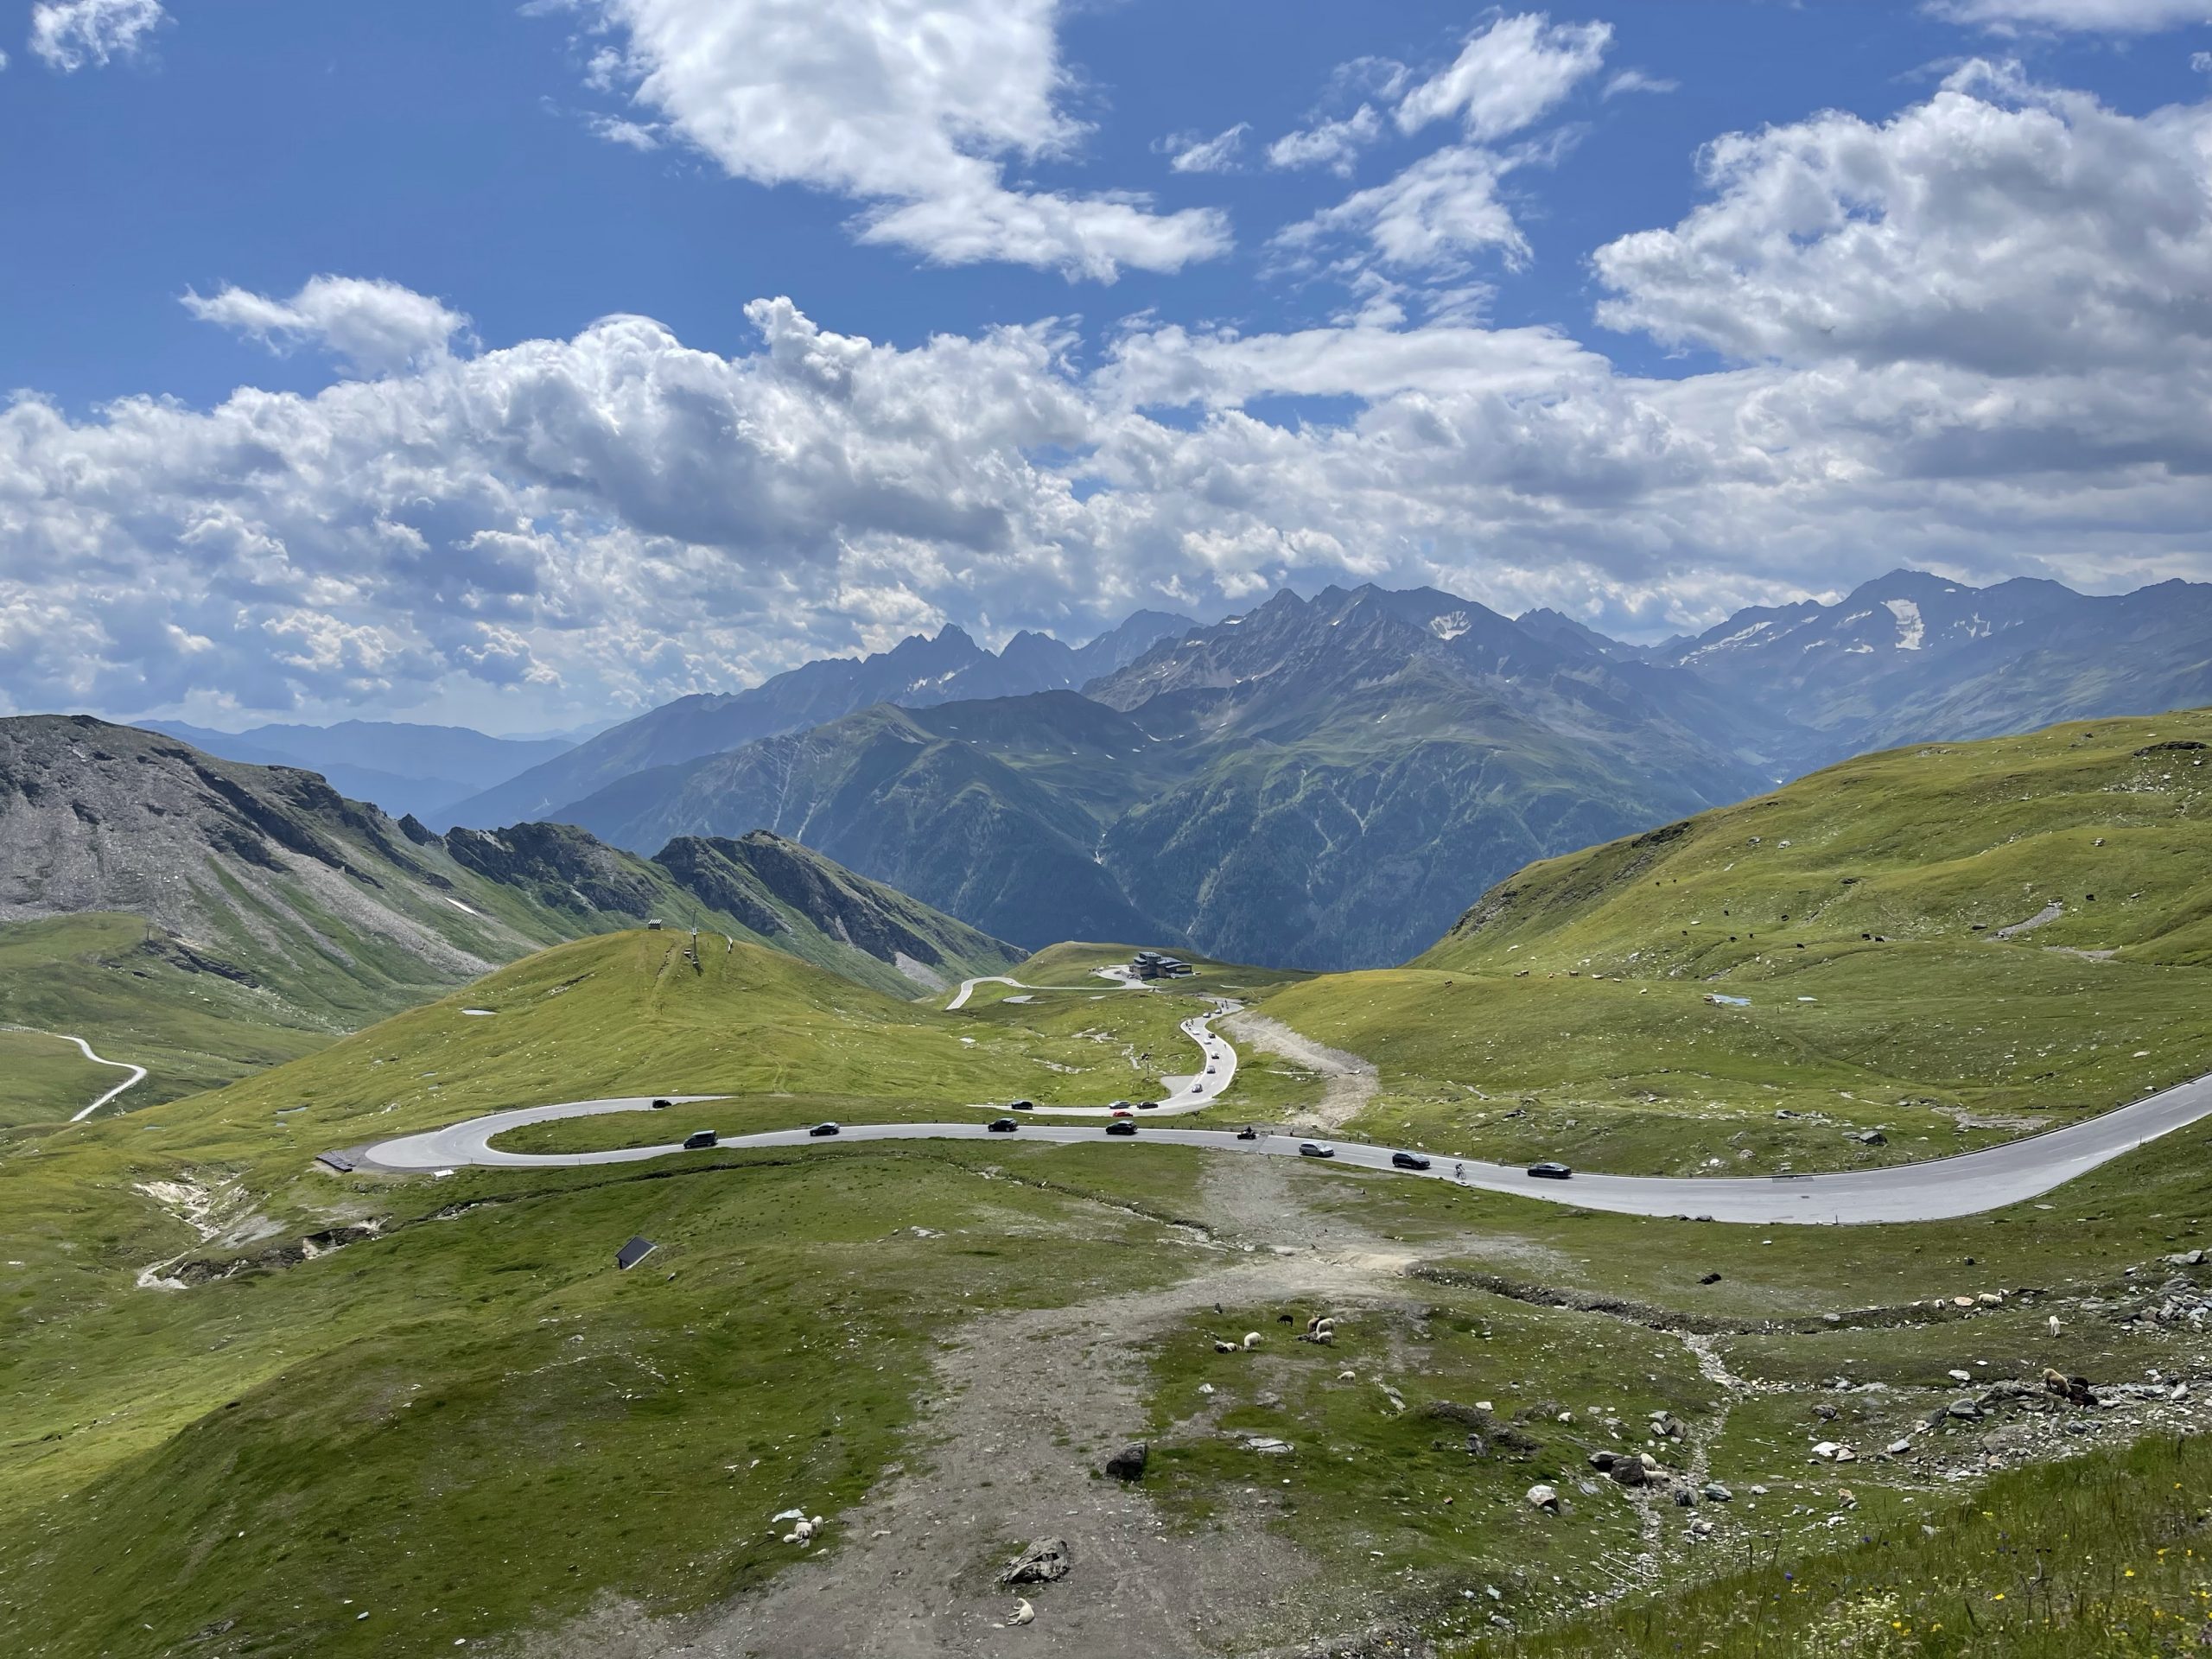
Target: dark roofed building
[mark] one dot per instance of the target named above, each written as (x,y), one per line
(634,1252)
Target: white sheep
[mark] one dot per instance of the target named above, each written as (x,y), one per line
(803,1531)
(1326,1331)
(1221,1347)
(1251,1340)
(1023,1612)
(2054,1325)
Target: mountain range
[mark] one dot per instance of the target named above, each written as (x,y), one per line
(307,910)
(917,673)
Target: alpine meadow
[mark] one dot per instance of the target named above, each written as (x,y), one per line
(937,831)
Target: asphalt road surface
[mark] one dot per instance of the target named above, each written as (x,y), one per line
(1935,1191)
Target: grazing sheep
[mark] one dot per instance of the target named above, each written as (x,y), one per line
(2054,1325)
(803,1531)
(1251,1340)
(1324,1331)
(1221,1347)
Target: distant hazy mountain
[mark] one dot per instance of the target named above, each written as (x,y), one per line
(327,914)
(1911,657)
(918,672)
(402,768)
(1321,782)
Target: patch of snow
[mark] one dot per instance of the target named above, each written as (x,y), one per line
(1451,626)
(479,1013)
(457,904)
(1859,651)
(1736,638)
(1911,630)
(1856,616)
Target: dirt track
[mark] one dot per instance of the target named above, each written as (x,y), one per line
(1022,1410)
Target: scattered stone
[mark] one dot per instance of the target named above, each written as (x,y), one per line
(1962,1377)
(1685,1499)
(1899,1448)
(1602,1460)
(1716,1493)
(1128,1463)
(1041,1563)
(1267,1446)
(1628,1471)
(1542,1497)
(1709,1279)
(1826,1449)
(1965,1409)
(1701,1528)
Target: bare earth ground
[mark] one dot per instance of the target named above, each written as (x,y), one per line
(1351,1081)
(1022,1409)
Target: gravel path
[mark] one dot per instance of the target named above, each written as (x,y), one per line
(1022,1409)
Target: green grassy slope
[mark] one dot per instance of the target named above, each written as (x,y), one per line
(399,1400)
(1856,915)
(136,996)
(251,912)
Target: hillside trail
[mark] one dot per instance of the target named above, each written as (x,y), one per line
(1349,1082)
(1022,1408)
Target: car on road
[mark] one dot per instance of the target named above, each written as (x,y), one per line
(1247,1132)
(1550,1169)
(1408,1160)
(662,1105)
(1122,1126)
(698,1139)
(825,1129)
(1120,1106)
(1021,1105)
(1316,1149)
(1198,1088)
(1148,1105)
(1003,1125)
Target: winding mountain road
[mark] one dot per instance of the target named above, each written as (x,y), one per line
(1939,1190)
(137,1075)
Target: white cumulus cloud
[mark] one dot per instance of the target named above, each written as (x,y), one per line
(74,34)
(1331,145)
(918,109)
(1507,76)
(1999,225)
(375,327)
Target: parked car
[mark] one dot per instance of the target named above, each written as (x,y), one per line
(823,1128)
(662,1105)
(1550,1169)
(1021,1105)
(1408,1160)
(1316,1149)
(1122,1126)
(1247,1132)
(698,1139)
(1003,1125)
(1121,1106)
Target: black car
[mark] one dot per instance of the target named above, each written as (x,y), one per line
(823,1128)
(662,1105)
(1408,1160)
(1002,1125)
(1021,1105)
(1550,1171)
(698,1139)
(1147,1105)
(1122,1126)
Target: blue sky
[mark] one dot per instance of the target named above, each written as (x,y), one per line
(1644,311)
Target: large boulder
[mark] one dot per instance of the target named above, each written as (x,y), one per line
(1040,1563)
(1128,1464)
